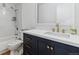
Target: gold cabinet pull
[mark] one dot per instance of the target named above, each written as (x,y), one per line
(48,47)
(51,48)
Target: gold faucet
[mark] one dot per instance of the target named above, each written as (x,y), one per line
(74,31)
(63,30)
(57,26)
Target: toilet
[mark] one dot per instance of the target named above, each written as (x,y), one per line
(16,47)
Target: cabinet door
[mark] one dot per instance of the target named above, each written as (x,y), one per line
(73,50)
(34,45)
(63,49)
(30,44)
(44,47)
(27,45)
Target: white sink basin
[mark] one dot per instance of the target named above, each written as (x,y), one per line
(58,34)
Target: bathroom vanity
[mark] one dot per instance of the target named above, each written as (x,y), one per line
(40,44)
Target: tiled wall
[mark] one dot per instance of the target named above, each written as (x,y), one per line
(7,26)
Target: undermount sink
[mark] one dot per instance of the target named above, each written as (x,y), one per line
(64,35)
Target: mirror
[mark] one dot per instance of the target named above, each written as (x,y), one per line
(66,14)
(46,13)
(62,13)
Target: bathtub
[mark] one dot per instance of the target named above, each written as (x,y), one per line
(4,42)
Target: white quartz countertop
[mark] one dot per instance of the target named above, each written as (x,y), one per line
(73,40)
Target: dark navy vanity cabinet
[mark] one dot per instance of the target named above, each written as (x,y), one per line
(34,45)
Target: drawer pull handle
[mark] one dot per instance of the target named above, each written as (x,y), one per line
(51,48)
(48,47)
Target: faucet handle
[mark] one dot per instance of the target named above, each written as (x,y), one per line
(57,25)
(63,30)
(74,31)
